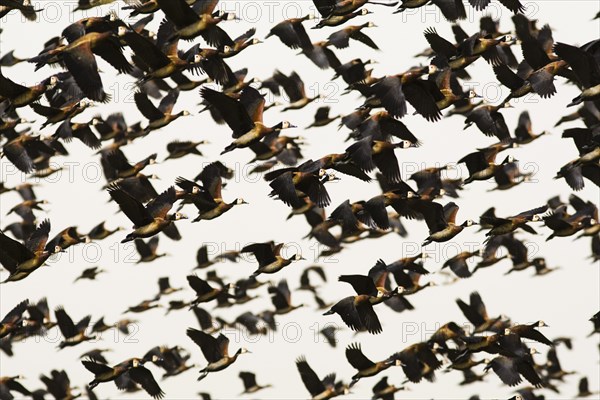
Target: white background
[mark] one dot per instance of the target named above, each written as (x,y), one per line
(565,299)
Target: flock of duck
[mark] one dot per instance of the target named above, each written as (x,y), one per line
(162,69)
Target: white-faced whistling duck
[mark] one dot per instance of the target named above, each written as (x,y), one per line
(293,184)
(324,389)
(355,118)
(10,60)
(21,260)
(186,84)
(159,116)
(339,162)
(365,367)
(20,96)
(14,319)
(25,208)
(341,38)
(169,359)
(59,384)
(165,288)
(477,315)
(215,350)
(355,74)
(441,221)
(394,299)
(205,292)
(89,4)
(519,255)
(574,172)
(292,33)
(337,20)
(111,127)
(513,5)
(394,90)
(202,260)
(385,391)
(100,232)
(586,70)
(159,65)
(10,384)
(595,319)
(73,334)
(510,369)
(450,89)
(90,273)
(447,52)
(564,224)
(489,121)
(357,313)
(268,256)
(205,320)
(329,333)
(418,361)
(333,7)
(294,89)
(285,149)
(177,305)
(452,10)
(281,298)
(144,306)
(305,277)
(211,62)
(24,7)
(528,331)
(150,219)
(250,385)
(595,247)
(322,117)
(554,369)
(510,224)
(584,389)
(448,331)
(209,202)
(240,294)
(66,238)
(253,324)
(179,149)
(39,316)
(122,325)
(80,60)
(58,114)
(240,43)
(188,22)
(481,164)
(364,285)
(147,7)
(138,186)
(368,154)
(509,175)
(489,254)
(489,46)
(247,126)
(382,126)
(586,112)
(537,82)
(458,263)
(133,367)
(82,131)
(321,55)
(147,250)
(429,182)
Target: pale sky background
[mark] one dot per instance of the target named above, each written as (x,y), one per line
(565,299)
